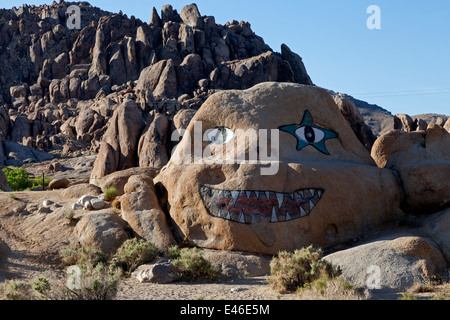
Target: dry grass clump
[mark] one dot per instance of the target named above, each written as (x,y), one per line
(116,204)
(434,288)
(311,277)
(87,255)
(16,290)
(331,289)
(88,283)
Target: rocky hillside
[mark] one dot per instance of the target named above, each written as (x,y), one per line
(119,85)
(60,87)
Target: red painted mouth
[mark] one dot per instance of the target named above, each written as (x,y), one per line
(251,207)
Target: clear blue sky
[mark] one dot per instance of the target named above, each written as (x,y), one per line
(404,67)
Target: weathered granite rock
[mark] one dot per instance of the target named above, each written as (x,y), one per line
(324,188)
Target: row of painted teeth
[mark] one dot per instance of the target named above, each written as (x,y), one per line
(234,195)
(257,219)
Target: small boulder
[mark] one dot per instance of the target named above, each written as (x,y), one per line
(77,206)
(61,183)
(79,190)
(91,202)
(162,271)
(44,210)
(55,166)
(85,201)
(238,264)
(47,203)
(120,178)
(97,203)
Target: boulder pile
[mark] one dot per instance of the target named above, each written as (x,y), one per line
(72,90)
(122,89)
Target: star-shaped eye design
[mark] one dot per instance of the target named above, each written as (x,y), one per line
(308,134)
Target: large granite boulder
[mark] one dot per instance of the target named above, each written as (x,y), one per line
(381,149)
(141,209)
(390,264)
(422,160)
(120,141)
(318,186)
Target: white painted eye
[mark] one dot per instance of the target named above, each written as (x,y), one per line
(310,135)
(220,135)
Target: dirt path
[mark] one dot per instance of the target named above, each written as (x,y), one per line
(18,259)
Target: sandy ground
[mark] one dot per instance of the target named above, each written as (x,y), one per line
(30,242)
(237,289)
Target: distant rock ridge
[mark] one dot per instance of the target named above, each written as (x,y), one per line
(63,84)
(65,90)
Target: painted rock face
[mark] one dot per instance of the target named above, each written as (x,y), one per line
(272,168)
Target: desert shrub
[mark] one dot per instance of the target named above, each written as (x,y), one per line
(326,288)
(441,296)
(95,280)
(407,296)
(83,256)
(192,265)
(42,286)
(110,194)
(290,271)
(99,282)
(173,252)
(70,217)
(16,290)
(134,253)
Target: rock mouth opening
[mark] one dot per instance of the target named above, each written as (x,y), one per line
(259,207)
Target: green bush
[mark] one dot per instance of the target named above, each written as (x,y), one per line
(192,265)
(110,194)
(37,182)
(18,179)
(290,271)
(134,253)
